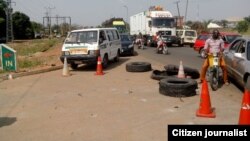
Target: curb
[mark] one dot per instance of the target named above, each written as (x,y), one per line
(15,75)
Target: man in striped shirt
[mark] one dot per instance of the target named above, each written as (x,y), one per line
(214,45)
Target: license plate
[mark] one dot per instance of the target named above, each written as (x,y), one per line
(77,51)
(216,62)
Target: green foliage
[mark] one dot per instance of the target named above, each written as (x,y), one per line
(242,26)
(2,19)
(34,46)
(247,19)
(37,27)
(199,27)
(26,50)
(27,63)
(22,27)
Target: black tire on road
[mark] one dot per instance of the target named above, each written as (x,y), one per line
(174,69)
(138,67)
(178,87)
(74,66)
(105,61)
(158,75)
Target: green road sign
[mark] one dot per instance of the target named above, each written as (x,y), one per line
(8,58)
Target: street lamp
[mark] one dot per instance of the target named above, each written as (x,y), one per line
(127,15)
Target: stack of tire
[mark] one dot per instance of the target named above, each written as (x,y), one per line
(170,85)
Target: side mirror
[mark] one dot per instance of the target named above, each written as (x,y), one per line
(150,23)
(100,40)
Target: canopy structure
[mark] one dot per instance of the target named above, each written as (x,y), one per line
(213,25)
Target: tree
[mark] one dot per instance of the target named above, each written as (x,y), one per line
(224,23)
(247,19)
(37,27)
(242,26)
(22,26)
(2,18)
(199,27)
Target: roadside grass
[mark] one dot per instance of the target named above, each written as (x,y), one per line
(33,46)
(28,49)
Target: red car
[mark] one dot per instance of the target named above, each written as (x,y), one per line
(201,39)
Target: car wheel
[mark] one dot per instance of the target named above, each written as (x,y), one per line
(105,61)
(138,67)
(203,54)
(117,58)
(178,87)
(132,52)
(191,45)
(247,84)
(73,66)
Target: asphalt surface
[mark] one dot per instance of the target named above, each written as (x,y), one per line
(118,105)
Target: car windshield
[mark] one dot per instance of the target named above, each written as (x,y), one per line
(82,37)
(163,22)
(125,38)
(203,37)
(190,33)
(231,38)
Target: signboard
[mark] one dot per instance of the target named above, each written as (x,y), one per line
(8,58)
(118,23)
(159,14)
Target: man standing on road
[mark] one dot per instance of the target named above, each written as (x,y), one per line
(214,45)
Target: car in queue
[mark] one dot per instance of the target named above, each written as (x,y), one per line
(127,44)
(199,44)
(187,37)
(237,59)
(171,40)
(85,46)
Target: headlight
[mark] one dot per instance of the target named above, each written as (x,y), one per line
(94,52)
(91,52)
(130,46)
(65,53)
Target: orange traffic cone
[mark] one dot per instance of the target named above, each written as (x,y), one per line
(181,73)
(205,109)
(245,109)
(99,67)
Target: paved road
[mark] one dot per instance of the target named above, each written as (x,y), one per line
(118,106)
(185,54)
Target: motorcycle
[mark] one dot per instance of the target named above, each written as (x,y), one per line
(140,43)
(215,72)
(162,49)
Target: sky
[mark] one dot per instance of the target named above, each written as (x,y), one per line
(94,12)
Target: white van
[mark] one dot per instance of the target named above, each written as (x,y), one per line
(85,45)
(187,36)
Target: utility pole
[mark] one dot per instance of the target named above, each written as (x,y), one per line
(127,16)
(9,25)
(179,18)
(186,12)
(57,19)
(48,15)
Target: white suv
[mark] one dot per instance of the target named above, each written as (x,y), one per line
(85,45)
(187,36)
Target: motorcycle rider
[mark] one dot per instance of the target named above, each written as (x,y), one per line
(140,40)
(214,45)
(159,40)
